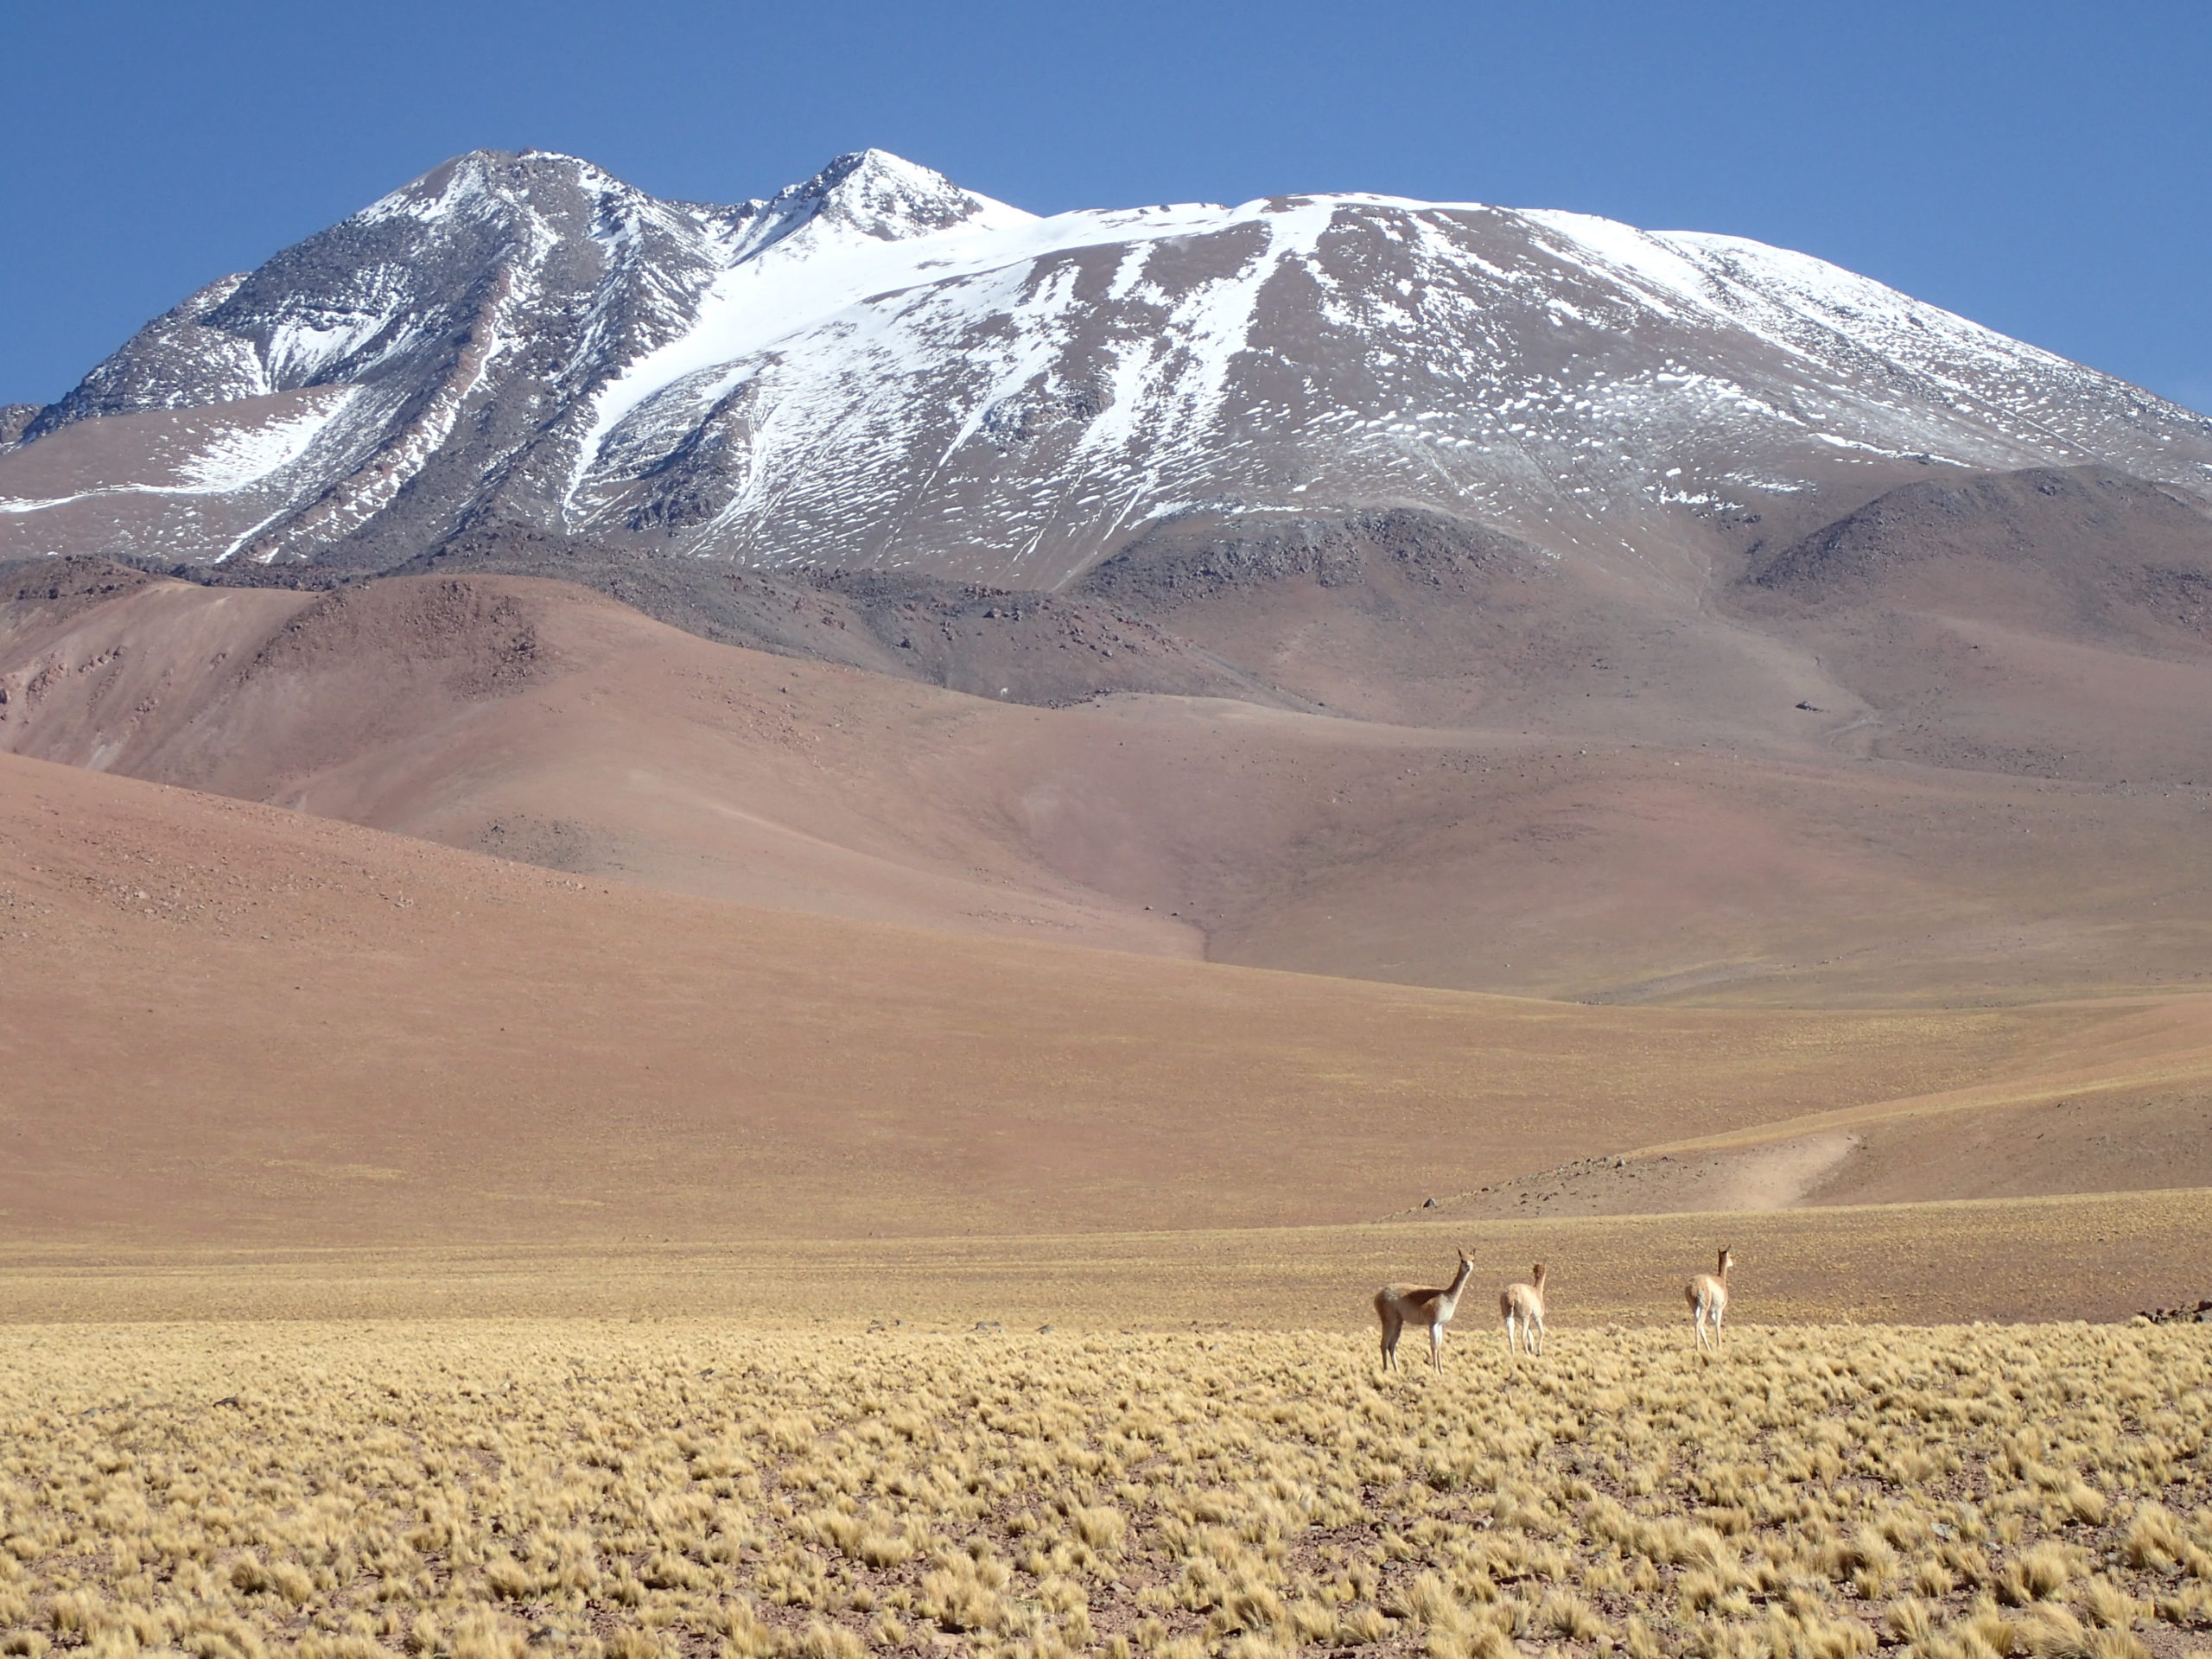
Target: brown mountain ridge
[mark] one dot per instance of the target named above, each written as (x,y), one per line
(1947,746)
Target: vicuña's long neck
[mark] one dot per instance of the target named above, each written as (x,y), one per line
(1459,1281)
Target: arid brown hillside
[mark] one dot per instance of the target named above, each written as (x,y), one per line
(2051,624)
(230,1023)
(536,721)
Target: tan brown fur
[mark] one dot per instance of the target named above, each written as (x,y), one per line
(1522,1305)
(1707,1295)
(1399,1306)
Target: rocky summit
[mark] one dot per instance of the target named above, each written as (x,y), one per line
(879,371)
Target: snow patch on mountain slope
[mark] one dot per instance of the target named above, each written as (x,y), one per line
(246,455)
(1821,311)
(801,297)
(219,458)
(808,279)
(828,401)
(809,250)
(876,365)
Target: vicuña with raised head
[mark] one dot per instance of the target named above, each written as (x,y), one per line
(1400,1306)
(1708,1297)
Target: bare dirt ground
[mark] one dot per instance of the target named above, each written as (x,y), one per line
(230,1023)
(2100,1256)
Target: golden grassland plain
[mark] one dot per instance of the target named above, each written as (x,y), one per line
(490,1489)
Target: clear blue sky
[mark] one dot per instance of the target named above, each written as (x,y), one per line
(2043,168)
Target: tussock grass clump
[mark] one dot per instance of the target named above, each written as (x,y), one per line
(491,1491)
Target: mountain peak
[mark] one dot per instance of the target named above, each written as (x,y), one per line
(888,197)
(877,367)
(483,175)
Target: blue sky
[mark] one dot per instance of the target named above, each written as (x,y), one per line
(2043,168)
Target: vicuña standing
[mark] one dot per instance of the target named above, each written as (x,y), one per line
(1399,1306)
(1523,1307)
(1708,1297)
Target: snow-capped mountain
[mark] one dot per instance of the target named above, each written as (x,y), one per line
(878,369)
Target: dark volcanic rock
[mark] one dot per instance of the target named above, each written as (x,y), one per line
(1023,646)
(2197,1312)
(1201,556)
(2079,515)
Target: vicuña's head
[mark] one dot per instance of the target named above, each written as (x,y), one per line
(1466,1260)
(1536,1275)
(1727,1258)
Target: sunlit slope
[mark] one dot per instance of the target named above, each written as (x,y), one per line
(229,1022)
(2128,1108)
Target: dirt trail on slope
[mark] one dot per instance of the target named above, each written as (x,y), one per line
(2130,1107)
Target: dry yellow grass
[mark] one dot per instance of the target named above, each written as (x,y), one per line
(483,1489)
